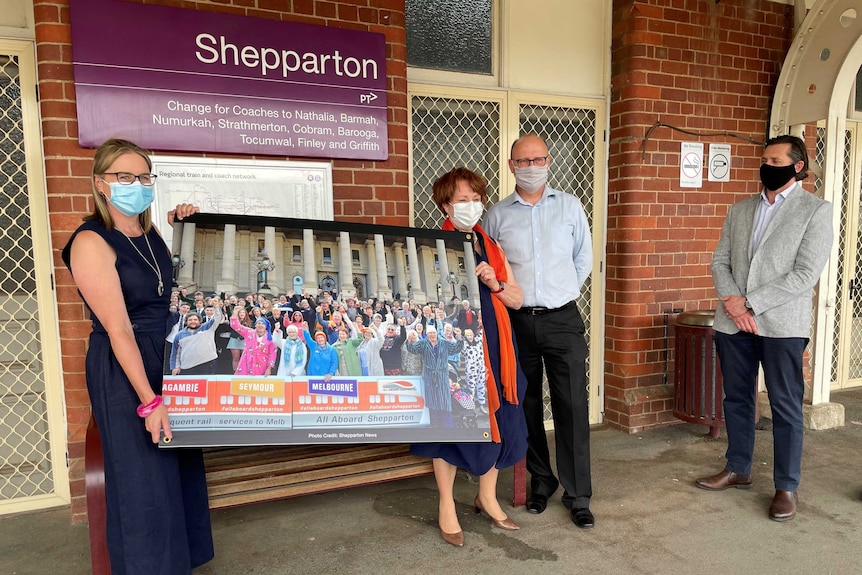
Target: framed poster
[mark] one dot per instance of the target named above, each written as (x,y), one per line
(375,336)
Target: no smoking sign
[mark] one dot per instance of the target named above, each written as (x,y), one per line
(691,165)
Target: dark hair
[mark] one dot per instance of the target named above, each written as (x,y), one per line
(798,152)
(445,186)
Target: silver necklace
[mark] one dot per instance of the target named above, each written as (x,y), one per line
(156,269)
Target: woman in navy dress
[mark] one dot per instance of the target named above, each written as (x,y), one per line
(158,516)
(460,194)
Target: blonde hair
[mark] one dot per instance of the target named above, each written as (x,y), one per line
(107,154)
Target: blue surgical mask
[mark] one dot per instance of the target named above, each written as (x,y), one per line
(132,199)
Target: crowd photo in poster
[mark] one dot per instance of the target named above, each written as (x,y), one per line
(289,331)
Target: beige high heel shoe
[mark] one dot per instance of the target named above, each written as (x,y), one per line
(456,539)
(506,523)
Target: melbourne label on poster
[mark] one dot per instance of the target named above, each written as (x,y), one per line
(369,334)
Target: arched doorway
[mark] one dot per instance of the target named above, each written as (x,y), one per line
(328,283)
(817,79)
(359,286)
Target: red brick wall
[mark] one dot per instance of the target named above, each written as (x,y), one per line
(702,66)
(364,191)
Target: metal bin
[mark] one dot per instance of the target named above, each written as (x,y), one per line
(698,386)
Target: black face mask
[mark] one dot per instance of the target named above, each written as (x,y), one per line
(776,177)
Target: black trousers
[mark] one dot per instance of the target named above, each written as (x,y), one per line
(555,340)
(205,368)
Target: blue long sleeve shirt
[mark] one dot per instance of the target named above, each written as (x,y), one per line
(548,245)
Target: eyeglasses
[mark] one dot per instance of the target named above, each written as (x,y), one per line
(524,162)
(127,179)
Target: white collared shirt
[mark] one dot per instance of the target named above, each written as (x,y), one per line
(764,214)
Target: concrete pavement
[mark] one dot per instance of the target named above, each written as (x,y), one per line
(650,519)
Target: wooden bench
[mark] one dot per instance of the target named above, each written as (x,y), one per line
(237,476)
(243,475)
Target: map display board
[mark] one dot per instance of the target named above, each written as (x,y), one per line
(242,187)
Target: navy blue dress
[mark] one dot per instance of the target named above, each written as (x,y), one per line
(479,458)
(158,515)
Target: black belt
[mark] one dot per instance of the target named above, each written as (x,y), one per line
(539,310)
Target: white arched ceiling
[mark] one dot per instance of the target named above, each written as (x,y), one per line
(821,65)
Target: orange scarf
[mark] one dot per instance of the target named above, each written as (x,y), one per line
(508,362)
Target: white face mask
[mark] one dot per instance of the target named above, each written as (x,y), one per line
(465,215)
(531,178)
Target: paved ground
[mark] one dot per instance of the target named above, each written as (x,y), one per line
(650,520)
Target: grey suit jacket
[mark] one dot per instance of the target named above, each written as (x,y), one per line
(779,278)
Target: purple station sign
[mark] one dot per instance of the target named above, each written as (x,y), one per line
(175,79)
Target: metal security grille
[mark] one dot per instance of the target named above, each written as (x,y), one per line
(25,465)
(850,289)
(570,134)
(820,158)
(854,374)
(448,133)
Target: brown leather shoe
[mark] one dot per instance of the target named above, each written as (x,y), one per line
(724,480)
(783,507)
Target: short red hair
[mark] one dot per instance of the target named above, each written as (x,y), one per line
(445,186)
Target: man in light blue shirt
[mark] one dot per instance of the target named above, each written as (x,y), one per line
(546,237)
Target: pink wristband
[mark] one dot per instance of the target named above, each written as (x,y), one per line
(145,411)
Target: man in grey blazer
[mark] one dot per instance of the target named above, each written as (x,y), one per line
(772,249)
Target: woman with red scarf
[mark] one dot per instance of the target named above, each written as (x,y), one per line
(460,194)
